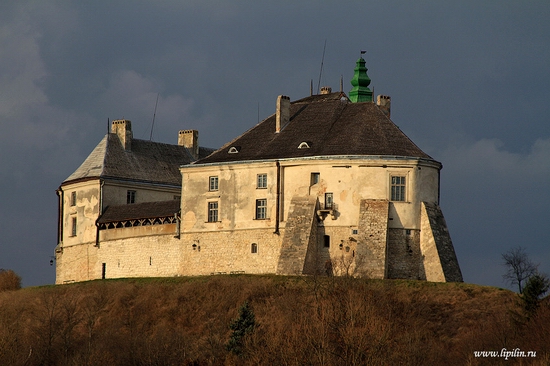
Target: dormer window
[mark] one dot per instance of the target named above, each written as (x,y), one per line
(304,145)
(234,149)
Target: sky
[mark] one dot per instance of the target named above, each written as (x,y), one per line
(469,82)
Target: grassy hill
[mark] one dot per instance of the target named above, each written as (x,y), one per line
(298,321)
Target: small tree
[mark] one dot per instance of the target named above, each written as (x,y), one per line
(241,326)
(518,267)
(9,280)
(534,290)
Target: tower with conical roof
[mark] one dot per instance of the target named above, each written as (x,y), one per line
(360,81)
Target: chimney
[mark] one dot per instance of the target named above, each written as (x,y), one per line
(123,128)
(190,140)
(282,114)
(326,90)
(384,102)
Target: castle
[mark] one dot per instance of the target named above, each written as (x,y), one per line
(327,185)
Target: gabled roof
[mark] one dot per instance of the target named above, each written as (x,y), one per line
(136,211)
(330,124)
(146,161)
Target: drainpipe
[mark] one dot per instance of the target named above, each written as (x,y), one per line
(97,232)
(438,186)
(101,184)
(278,200)
(60,192)
(178,226)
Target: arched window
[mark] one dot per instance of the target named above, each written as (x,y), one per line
(254,248)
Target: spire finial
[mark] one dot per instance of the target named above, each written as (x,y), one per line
(360,81)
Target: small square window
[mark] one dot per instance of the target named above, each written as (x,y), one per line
(354,232)
(130,197)
(212,211)
(261,209)
(398,188)
(315,178)
(73,198)
(213,185)
(261,181)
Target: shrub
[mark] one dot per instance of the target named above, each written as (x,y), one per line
(9,280)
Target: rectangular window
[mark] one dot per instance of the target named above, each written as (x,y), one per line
(262,181)
(315,178)
(73,198)
(212,211)
(213,185)
(261,209)
(130,197)
(73,227)
(326,241)
(398,188)
(253,248)
(329,201)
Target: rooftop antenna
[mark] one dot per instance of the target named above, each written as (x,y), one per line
(341,83)
(108,125)
(321,71)
(154,114)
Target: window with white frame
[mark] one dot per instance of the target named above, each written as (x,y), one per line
(329,200)
(213,211)
(213,183)
(398,188)
(261,181)
(261,209)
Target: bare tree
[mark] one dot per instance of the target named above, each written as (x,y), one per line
(9,280)
(518,267)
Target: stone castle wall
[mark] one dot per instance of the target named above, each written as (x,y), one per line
(375,251)
(404,255)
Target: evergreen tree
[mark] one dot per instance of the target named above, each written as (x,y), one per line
(241,326)
(535,288)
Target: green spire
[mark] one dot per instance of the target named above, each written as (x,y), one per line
(360,91)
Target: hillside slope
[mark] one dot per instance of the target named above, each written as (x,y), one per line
(299,321)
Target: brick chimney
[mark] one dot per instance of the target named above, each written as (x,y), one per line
(123,128)
(384,102)
(190,140)
(282,114)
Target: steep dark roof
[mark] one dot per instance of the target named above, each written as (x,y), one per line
(137,211)
(330,125)
(147,161)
